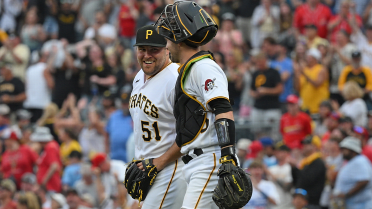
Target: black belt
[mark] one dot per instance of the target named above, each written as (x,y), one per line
(186,159)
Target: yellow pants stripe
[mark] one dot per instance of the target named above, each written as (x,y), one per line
(170,182)
(205,186)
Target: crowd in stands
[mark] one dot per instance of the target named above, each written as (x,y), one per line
(299,75)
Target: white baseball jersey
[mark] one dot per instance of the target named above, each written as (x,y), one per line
(151,106)
(205,82)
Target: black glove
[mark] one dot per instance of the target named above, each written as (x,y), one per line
(138,182)
(234,189)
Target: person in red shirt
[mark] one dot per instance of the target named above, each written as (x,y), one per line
(17,159)
(312,12)
(127,17)
(342,20)
(49,162)
(333,121)
(294,125)
(362,134)
(7,189)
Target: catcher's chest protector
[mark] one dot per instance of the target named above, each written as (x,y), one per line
(190,114)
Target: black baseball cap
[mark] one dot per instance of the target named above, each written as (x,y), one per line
(356,54)
(148,36)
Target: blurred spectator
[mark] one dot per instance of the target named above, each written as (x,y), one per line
(353,183)
(28,182)
(86,184)
(341,52)
(367,17)
(265,22)
(265,89)
(312,12)
(246,101)
(285,66)
(234,70)
(17,159)
(28,200)
(346,125)
(354,107)
(92,136)
(244,15)
(69,144)
(325,109)
(16,54)
(228,38)
(362,134)
(358,73)
(255,152)
(23,121)
(10,10)
(341,21)
(44,197)
(286,19)
(98,74)
(39,83)
(104,33)
(66,15)
(268,150)
(269,47)
(312,172)
(333,162)
(108,104)
(332,123)
(127,22)
(281,175)
(12,89)
(242,147)
(7,190)
(71,173)
(311,36)
(73,199)
(49,162)
(58,201)
(264,192)
(48,119)
(294,125)
(359,5)
(300,199)
(311,81)
(118,129)
(32,33)
(113,60)
(44,13)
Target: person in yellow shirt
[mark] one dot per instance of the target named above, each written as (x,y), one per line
(313,40)
(311,81)
(68,145)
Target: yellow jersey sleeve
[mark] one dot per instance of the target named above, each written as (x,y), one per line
(342,79)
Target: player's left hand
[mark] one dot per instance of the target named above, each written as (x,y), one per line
(139,179)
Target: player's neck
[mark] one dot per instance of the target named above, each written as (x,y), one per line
(187,54)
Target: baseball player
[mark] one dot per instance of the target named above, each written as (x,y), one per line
(204,117)
(151,107)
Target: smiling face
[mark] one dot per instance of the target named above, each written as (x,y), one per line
(152,59)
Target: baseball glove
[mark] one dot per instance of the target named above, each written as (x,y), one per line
(234,188)
(138,182)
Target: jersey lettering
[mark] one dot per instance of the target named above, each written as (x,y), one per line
(142,101)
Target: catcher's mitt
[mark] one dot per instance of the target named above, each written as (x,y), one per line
(138,182)
(234,189)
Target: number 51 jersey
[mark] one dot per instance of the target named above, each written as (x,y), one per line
(151,107)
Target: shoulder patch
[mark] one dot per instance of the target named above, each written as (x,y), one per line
(209,84)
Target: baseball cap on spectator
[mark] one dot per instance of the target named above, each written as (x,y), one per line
(4,110)
(356,54)
(243,144)
(41,134)
(267,142)
(98,159)
(345,119)
(75,154)
(60,199)
(71,191)
(293,99)
(254,148)
(351,143)
(228,16)
(29,178)
(314,140)
(280,146)
(361,131)
(300,192)
(23,114)
(314,53)
(11,133)
(9,185)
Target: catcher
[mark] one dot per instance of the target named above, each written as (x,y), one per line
(151,107)
(204,118)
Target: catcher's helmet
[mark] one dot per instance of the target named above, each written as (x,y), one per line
(186,21)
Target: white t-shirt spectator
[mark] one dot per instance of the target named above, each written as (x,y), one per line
(283,174)
(106,30)
(258,200)
(37,90)
(356,110)
(91,142)
(364,46)
(11,9)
